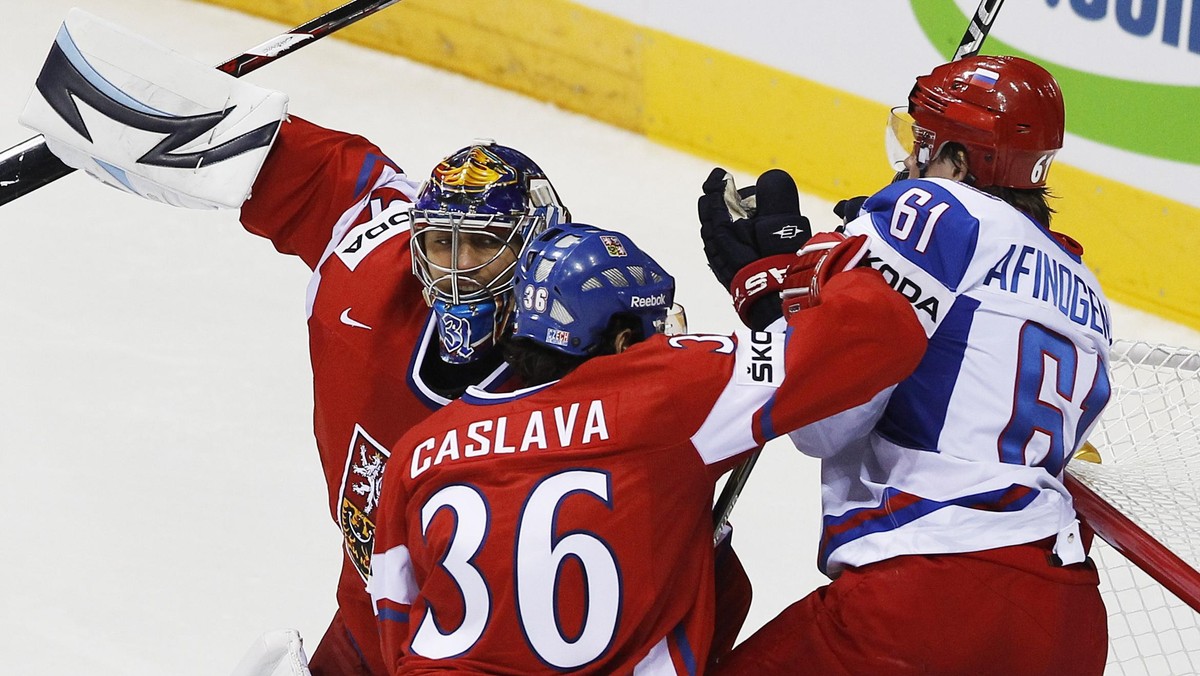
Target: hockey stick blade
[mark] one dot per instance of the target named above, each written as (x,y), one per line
(978,29)
(30,165)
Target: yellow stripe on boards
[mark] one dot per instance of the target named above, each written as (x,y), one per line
(749,117)
(1143,247)
(754,117)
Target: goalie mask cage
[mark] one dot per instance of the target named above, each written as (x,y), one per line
(1143,500)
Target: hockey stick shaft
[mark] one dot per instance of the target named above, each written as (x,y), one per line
(30,165)
(278,47)
(978,28)
(730,492)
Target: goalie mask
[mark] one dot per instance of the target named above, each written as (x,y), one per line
(574,278)
(1006,111)
(470,221)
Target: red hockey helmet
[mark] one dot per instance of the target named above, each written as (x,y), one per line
(1007,111)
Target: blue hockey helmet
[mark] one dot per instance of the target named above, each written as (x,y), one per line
(573,278)
(471,219)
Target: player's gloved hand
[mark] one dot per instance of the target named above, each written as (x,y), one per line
(750,236)
(825,255)
(848,209)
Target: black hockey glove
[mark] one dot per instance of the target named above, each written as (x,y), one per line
(750,237)
(848,209)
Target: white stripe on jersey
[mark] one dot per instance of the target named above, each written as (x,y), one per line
(757,371)
(657,662)
(387,177)
(392,577)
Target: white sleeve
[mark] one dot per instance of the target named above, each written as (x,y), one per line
(758,370)
(829,436)
(149,121)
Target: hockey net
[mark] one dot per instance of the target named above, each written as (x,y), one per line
(1143,499)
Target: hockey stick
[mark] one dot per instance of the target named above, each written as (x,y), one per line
(977,29)
(30,165)
(972,41)
(729,494)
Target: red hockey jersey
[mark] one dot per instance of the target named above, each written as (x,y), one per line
(338,203)
(568,526)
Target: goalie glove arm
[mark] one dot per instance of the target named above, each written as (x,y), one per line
(275,653)
(312,177)
(141,118)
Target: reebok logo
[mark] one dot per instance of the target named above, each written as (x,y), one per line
(648,301)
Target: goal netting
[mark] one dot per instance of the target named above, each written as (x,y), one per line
(1143,499)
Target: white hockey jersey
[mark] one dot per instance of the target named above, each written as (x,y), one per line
(968,452)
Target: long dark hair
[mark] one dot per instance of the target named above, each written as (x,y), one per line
(1033,201)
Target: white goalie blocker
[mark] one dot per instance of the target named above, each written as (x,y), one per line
(275,653)
(147,120)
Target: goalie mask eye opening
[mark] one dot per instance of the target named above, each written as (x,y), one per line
(460,262)
(905,137)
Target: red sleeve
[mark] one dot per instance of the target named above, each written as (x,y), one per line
(861,339)
(310,178)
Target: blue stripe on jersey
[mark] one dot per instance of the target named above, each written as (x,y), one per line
(66,42)
(371,161)
(765,424)
(926,224)
(427,341)
(423,392)
(685,649)
(897,508)
(916,412)
(392,615)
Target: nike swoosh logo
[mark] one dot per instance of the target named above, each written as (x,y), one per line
(350,322)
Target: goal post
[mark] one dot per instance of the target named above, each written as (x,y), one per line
(1143,501)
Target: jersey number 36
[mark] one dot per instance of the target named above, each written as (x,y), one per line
(537,552)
